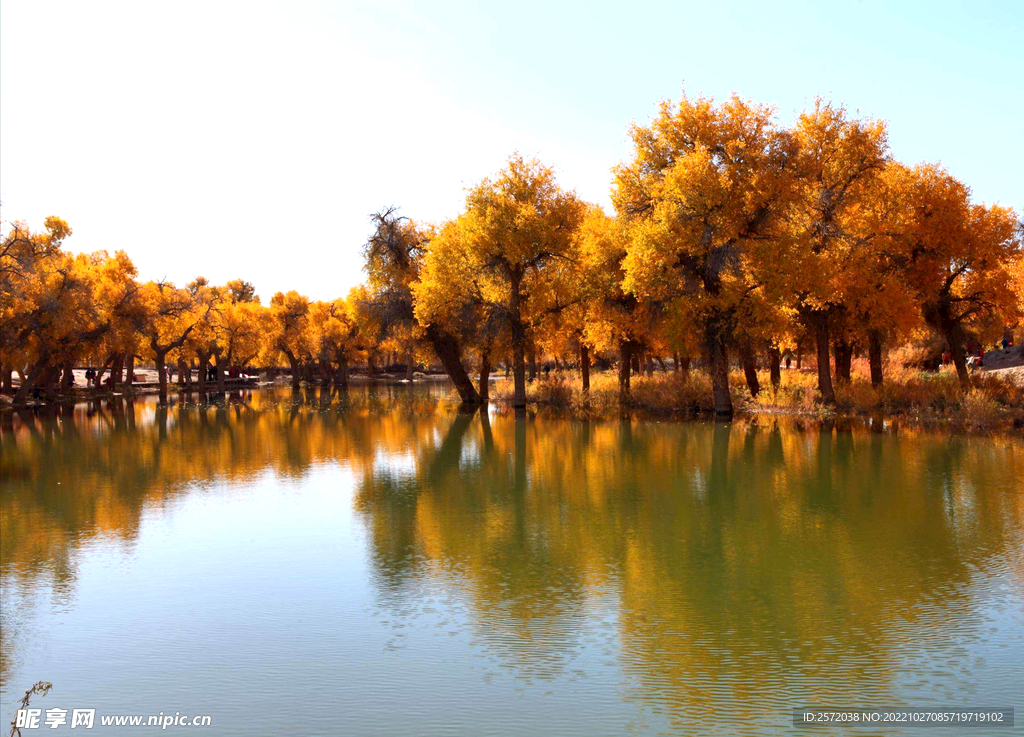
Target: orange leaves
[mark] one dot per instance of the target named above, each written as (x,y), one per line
(959,256)
(727,225)
(703,195)
(838,167)
(289,313)
(448,281)
(521,217)
(55,304)
(508,257)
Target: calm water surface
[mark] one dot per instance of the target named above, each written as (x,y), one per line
(381,564)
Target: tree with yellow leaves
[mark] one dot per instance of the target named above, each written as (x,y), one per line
(334,337)
(170,316)
(959,259)
(876,305)
(615,320)
(24,258)
(240,325)
(1016,270)
(67,305)
(732,235)
(289,317)
(451,293)
(394,254)
(840,159)
(704,196)
(516,225)
(202,342)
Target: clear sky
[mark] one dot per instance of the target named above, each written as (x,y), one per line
(252,139)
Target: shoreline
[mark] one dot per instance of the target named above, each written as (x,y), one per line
(993,405)
(147,390)
(881,421)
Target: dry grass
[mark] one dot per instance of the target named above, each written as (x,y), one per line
(919,395)
(908,392)
(660,393)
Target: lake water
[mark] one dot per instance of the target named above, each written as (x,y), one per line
(377,563)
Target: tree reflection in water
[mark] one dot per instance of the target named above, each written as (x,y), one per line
(761,562)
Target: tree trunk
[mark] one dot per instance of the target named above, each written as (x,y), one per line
(161,371)
(67,378)
(108,364)
(409,367)
(485,375)
(219,361)
(519,367)
(446,347)
(775,366)
(341,373)
(103,369)
(675,362)
(843,352)
(749,368)
(293,361)
(519,346)
(343,368)
(117,372)
(718,365)
(203,368)
(684,366)
(8,380)
(939,315)
(875,356)
(625,361)
(634,360)
(28,383)
(650,363)
(585,366)
(820,323)
(953,338)
(799,356)
(130,372)
(50,381)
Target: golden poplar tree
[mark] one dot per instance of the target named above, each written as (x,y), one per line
(703,196)
(517,224)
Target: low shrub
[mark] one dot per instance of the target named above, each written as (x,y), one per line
(979,409)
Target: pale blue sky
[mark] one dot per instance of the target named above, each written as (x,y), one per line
(252,139)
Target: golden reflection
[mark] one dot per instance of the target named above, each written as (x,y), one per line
(728,558)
